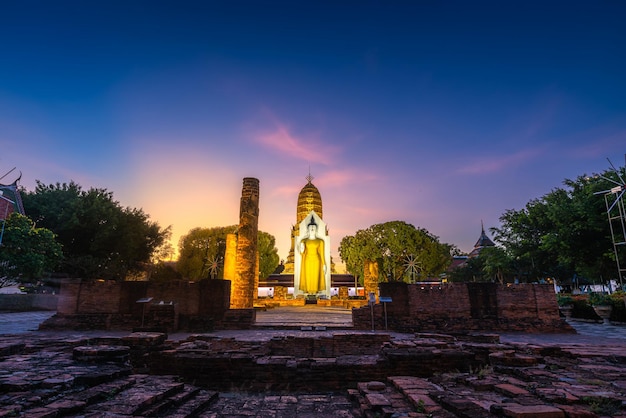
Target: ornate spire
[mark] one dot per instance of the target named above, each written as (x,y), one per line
(309,178)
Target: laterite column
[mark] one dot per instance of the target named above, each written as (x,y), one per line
(242,294)
(370,278)
(230,258)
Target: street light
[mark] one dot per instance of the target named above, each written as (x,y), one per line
(6,213)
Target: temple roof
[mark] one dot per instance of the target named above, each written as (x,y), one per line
(483,241)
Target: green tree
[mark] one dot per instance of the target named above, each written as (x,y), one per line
(497,264)
(470,271)
(100,238)
(392,245)
(164,271)
(26,252)
(202,250)
(268,254)
(563,233)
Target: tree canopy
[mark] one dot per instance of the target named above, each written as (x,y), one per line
(26,252)
(100,238)
(202,251)
(402,251)
(563,233)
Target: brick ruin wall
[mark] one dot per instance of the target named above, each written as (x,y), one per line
(193,306)
(464,307)
(202,306)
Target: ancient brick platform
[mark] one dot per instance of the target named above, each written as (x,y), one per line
(337,375)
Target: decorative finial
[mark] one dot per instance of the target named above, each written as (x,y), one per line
(309,177)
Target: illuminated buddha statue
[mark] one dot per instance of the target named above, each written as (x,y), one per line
(313,266)
(312,260)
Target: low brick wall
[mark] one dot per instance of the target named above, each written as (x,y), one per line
(192,306)
(464,307)
(28,302)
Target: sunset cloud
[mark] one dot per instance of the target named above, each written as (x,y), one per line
(311,150)
(602,145)
(495,163)
(342,178)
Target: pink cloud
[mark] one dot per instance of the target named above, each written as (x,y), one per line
(341,178)
(281,140)
(603,145)
(497,163)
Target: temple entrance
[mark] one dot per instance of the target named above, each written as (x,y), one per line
(306,318)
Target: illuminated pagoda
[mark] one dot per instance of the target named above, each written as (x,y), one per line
(309,206)
(309,199)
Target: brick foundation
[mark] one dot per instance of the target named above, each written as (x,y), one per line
(191,306)
(464,307)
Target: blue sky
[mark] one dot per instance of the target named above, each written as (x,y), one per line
(437,113)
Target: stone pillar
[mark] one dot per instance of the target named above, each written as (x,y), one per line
(257,266)
(230,257)
(370,278)
(243,289)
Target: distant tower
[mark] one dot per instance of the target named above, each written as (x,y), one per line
(483,241)
(309,200)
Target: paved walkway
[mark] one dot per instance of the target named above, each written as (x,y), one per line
(310,320)
(589,333)
(20,322)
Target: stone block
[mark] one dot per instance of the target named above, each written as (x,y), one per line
(532,411)
(145,339)
(377,400)
(508,389)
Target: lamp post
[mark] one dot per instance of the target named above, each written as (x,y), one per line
(6,213)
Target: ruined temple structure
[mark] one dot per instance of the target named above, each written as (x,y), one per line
(230,303)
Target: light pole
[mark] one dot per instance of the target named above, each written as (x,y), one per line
(6,213)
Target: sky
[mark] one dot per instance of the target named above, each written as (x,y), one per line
(442,114)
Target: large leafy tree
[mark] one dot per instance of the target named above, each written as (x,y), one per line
(202,250)
(497,265)
(563,233)
(268,254)
(470,271)
(26,252)
(493,264)
(100,238)
(396,246)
